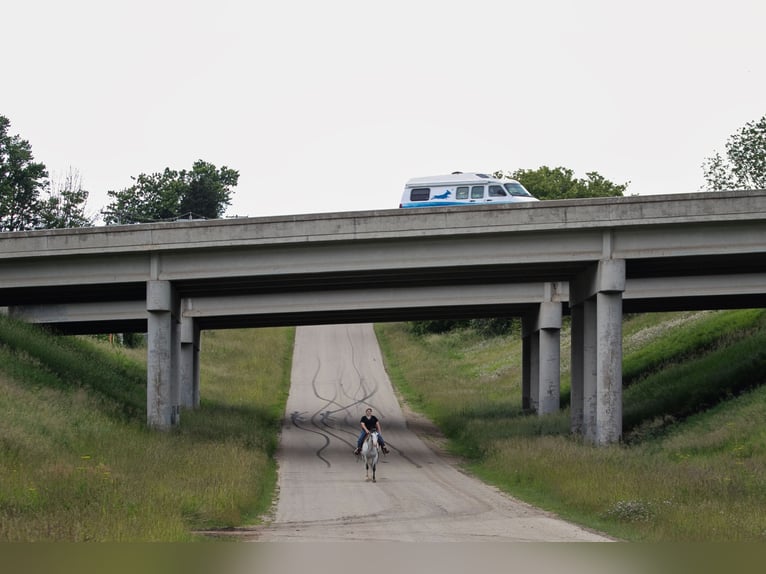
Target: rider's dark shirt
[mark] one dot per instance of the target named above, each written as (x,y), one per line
(371,423)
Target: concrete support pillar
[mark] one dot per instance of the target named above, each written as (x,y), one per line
(609,368)
(534,372)
(576,369)
(163,355)
(599,364)
(526,364)
(189,369)
(542,357)
(549,347)
(589,370)
(175,357)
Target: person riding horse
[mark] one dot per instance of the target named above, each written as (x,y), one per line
(369,422)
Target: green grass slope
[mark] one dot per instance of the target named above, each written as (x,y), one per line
(77,462)
(692,466)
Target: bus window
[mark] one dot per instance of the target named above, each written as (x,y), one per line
(496,191)
(461,193)
(420,194)
(477,192)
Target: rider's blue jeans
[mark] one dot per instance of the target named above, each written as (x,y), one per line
(363,434)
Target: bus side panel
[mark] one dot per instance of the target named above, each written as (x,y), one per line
(441,196)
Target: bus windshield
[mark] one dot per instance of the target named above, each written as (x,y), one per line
(516,189)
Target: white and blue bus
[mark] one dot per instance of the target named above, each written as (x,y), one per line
(462,189)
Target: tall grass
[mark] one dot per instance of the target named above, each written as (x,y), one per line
(695,464)
(77,462)
(685,336)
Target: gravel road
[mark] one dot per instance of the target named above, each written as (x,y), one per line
(420,495)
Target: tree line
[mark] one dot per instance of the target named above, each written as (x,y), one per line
(30,199)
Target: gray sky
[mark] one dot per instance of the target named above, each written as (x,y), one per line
(332,105)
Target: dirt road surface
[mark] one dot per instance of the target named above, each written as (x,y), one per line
(420,495)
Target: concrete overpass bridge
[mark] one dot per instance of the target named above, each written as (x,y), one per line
(592,258)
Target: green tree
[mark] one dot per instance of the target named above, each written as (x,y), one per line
(203,192)
(65,203)
(560,183)
(209,190)
(21,181)
(744,166)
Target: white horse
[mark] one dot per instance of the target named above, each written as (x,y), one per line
(370,453)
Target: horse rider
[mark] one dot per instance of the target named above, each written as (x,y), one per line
(369,422)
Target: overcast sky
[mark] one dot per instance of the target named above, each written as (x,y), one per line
(331,105)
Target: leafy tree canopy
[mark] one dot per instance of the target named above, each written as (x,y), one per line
(203,192)
(21,181)
(744,166)
(560,183)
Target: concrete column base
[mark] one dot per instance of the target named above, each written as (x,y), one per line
(163,356)
(576,369)
(542,359)
(189,375)
(596,302)
(526,365)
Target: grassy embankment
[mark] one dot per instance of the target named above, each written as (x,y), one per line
(693,463)
(77,462)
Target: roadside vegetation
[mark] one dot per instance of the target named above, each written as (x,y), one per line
(78,464)
(692,466)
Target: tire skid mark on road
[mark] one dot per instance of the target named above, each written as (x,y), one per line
(296,418)
(325,414)
(322,417)
(318,427)
(366,395)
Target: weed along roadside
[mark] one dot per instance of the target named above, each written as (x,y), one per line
(78,464)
